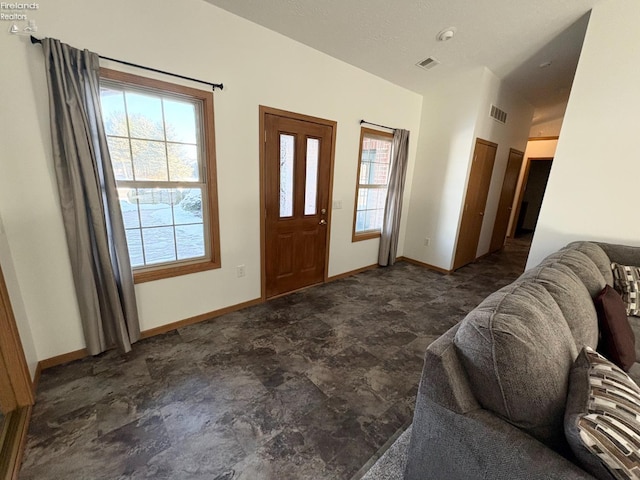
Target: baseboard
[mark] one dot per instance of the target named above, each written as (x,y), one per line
(352,272)
(36,379)
(60,359)
(82,353)
(78,354)
(425,265)
(198,318)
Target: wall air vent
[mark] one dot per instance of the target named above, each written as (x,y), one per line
(428,63)
(498,115)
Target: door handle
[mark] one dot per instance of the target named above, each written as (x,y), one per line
(323,222)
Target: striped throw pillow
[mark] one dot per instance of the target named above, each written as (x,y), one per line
(626,280)
(602,419)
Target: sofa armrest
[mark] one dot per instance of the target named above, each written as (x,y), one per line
(479,445)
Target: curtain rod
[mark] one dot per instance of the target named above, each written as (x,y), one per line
(377,125)
(35,40)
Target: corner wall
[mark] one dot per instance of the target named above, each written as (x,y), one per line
(194,38)
(454,114)
(591,194)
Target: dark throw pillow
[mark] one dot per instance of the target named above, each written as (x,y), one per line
(617,342)
(602,418)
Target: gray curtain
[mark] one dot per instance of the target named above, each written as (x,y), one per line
(90,207)
(393,206)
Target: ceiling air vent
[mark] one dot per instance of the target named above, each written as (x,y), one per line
(428,63)
(498,115)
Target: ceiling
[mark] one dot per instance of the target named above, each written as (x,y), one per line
(387,38)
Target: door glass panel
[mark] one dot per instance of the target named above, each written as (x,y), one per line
(311,187)
(287,147)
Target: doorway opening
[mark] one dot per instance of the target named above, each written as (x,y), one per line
(534,184)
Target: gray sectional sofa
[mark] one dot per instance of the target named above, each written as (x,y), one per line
(493,389)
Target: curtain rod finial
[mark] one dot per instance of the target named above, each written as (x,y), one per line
(35,40)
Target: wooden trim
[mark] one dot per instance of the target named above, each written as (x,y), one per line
(263,111)
(208,120)
(15,437)
(537,139)
(82,353)
(425,265)
(353,272)
(262,145)
(174,271)
(11,350)
(486,142)
(36,378)
(63,358)
(198,318)
(7,396)
(334,133)
(357,237)
(365,236)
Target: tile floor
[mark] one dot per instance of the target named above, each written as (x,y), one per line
(307,386)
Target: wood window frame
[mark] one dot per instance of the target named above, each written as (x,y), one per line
(368,235)
(177,268)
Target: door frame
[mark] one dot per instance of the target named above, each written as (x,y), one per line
(16,423)
(455,262)
(263,112)
(515,195)
(526,166)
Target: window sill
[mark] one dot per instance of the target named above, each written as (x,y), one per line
(169,272)
(358,237)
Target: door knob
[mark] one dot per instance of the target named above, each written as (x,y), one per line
(481,214)
(323,222)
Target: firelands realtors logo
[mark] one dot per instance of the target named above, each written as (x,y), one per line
(15,11)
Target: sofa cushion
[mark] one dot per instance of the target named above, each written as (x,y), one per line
(626,280)
(517,350)
(617,341)
(582,266)
(602,419)
(597,255)
(572,297)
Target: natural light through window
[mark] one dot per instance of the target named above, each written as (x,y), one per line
(158,153)
(373,178)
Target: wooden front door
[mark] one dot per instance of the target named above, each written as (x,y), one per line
(297,176)
(475,201)
(505,207)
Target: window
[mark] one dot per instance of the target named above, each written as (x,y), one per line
(161,143)
(373,179)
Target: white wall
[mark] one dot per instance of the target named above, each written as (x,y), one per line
(591,192)
(258,67)
(454,114)
(17,305)
(512,135)
(449,114)
(547,122)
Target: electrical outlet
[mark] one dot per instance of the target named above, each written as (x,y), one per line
(337,204)
(241,271)
(427,241)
